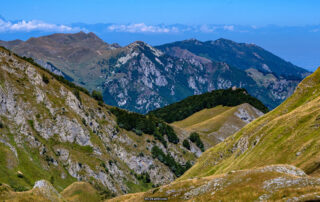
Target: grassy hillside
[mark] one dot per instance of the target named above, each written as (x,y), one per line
(248,166)
(229,97)
(44,191)
(270,183)
(216,124)
(289,134)
(51,129)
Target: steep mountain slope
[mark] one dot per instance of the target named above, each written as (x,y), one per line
(269,183)
(144,78)
(289,134)
(276,76)
(141,78)
(50,130)
(216,124)
(240,55)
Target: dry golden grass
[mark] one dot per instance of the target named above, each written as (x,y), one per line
(245,185)
(80,192)
(215,124)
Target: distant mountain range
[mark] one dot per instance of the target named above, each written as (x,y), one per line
(241,55)
(140,78)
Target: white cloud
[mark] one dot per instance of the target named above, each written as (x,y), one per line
(143,28)
(228,27)
(207,28)
(33,25)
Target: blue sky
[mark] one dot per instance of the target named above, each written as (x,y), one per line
(244,12)
(287,28)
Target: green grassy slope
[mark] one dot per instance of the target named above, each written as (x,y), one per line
(289,134)
(44,191)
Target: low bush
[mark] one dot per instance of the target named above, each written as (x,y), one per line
(186,144)
(195,138)
(45,79)
(139,124)
(169,161)
(97,95)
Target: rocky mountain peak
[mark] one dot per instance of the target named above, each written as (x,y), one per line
(194,41)
(141,46)
(222,41)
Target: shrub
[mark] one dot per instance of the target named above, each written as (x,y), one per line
(31,123)
(169,161)
(139,124)
(84,121)
(195,138)
(100,103)
(97,95)
(77,94)
(20,175)
(1,125)
(45,79)
(52,180)
(144,177)
(19,188)
(186,144)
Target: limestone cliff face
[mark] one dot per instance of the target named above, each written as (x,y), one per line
(47,132)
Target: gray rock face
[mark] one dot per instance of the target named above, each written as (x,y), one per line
(144,78)
(47,190)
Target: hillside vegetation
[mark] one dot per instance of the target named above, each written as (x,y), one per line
(289,134)
(181,110)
